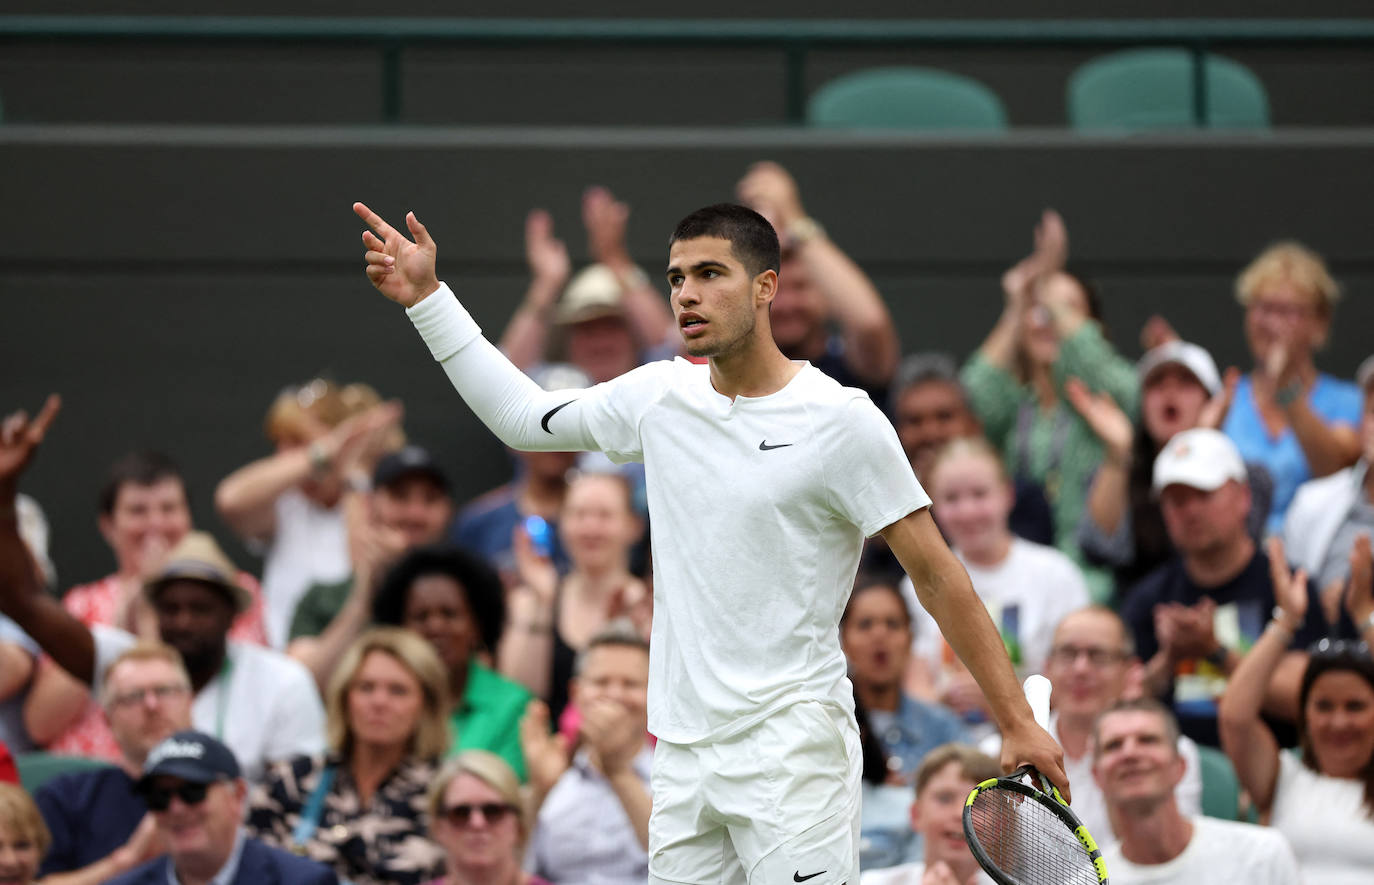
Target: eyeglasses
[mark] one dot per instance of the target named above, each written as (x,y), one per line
(1281,310)
(492,812)
(190,793)
(1098,657)
(138,695)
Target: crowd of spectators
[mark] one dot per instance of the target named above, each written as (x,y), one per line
(422,689)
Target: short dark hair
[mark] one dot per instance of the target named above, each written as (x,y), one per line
(927,367)
(752,239)
(143,468)
(617,633)
(482,588)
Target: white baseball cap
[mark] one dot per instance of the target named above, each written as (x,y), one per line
(1200,458)
(1190,356)
(593,293)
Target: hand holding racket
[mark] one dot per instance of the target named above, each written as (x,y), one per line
(1024,834)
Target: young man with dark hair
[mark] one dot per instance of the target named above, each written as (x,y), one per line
(764,476)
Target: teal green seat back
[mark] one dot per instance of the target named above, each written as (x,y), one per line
(906,98)
(36,769)
(1220,789)
(1138,89)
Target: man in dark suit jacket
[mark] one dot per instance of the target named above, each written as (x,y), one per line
(196,793)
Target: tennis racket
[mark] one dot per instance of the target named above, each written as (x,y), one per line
(1024,834)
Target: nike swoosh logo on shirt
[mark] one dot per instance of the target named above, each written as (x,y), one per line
(544,422)
(765,447)
(797,876)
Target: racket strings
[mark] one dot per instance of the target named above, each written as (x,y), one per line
(1028,842)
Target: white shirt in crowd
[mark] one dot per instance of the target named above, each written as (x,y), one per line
(759,507)
(309,546)
(1027,594)
(908,874)
(263,705)
(1326,822)
(1221,852)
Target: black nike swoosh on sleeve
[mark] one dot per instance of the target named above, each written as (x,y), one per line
(544,422)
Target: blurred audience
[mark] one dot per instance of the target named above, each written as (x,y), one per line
(23,837)
(100,827)
(875,633)
(143,513)
(1122,525)
(1050,331)
(553,617)
(1328,514)
(610,315)
(327,440)
(1295,421)
(360,809)
(477,814)
(1194,616)
(826,310)
(1323,799)
(489,524)
(410,506)
(196,793)
(943,782)
(1027,587)
(1138,768)
(598,783)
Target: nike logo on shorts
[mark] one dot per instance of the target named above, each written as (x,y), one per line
(763,447)
(544,422)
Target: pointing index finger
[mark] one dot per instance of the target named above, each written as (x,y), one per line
(374,221)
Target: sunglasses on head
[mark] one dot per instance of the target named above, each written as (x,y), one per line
(160,798)
(1339,648)
(492,812)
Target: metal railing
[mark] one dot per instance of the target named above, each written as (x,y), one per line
(795,39)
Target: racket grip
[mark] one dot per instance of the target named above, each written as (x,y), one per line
(1037,689)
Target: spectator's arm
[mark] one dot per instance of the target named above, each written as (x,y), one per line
(605,218)
(142,845)
(525,654)
(871,347)
(1247,740)
(55,702)
(1328,447)
(613,739)
(525,339)
(16,669)
(1109,494)
(1088,356)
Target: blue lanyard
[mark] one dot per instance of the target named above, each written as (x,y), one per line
(314,809)
(226,670)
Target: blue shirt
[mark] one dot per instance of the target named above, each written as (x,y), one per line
(90,814)
(1333,400)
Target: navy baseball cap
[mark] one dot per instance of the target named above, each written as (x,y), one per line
(411,460)
(192,756)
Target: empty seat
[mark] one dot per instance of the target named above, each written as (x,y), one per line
(1140,89)
(906,98)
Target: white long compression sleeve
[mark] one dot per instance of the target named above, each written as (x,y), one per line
(513,407)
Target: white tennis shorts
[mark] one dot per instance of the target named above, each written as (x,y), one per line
(776,803)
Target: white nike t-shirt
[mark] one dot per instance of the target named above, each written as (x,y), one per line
(758,510)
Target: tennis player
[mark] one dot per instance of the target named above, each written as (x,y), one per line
(764,476)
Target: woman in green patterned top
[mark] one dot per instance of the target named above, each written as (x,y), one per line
(1049,332)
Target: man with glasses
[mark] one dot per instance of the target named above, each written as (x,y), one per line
(195,794)
(1092,665)
(99,827)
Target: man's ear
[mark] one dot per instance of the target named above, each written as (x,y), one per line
(765,287)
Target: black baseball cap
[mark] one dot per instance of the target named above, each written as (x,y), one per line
(408,461)
(192,756)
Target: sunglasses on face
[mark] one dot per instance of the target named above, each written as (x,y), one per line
(160,798)
(492,812)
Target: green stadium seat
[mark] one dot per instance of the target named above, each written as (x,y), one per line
(1141,89)
(1220,789)
(36,769)
(906,98)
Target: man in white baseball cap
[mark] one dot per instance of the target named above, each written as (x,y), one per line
(1193,616)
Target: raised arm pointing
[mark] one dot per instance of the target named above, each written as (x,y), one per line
(401,270)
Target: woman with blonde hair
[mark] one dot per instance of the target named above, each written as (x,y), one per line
(327,438)
(479,817)
(1297,422)
(24,837)
(360,809)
